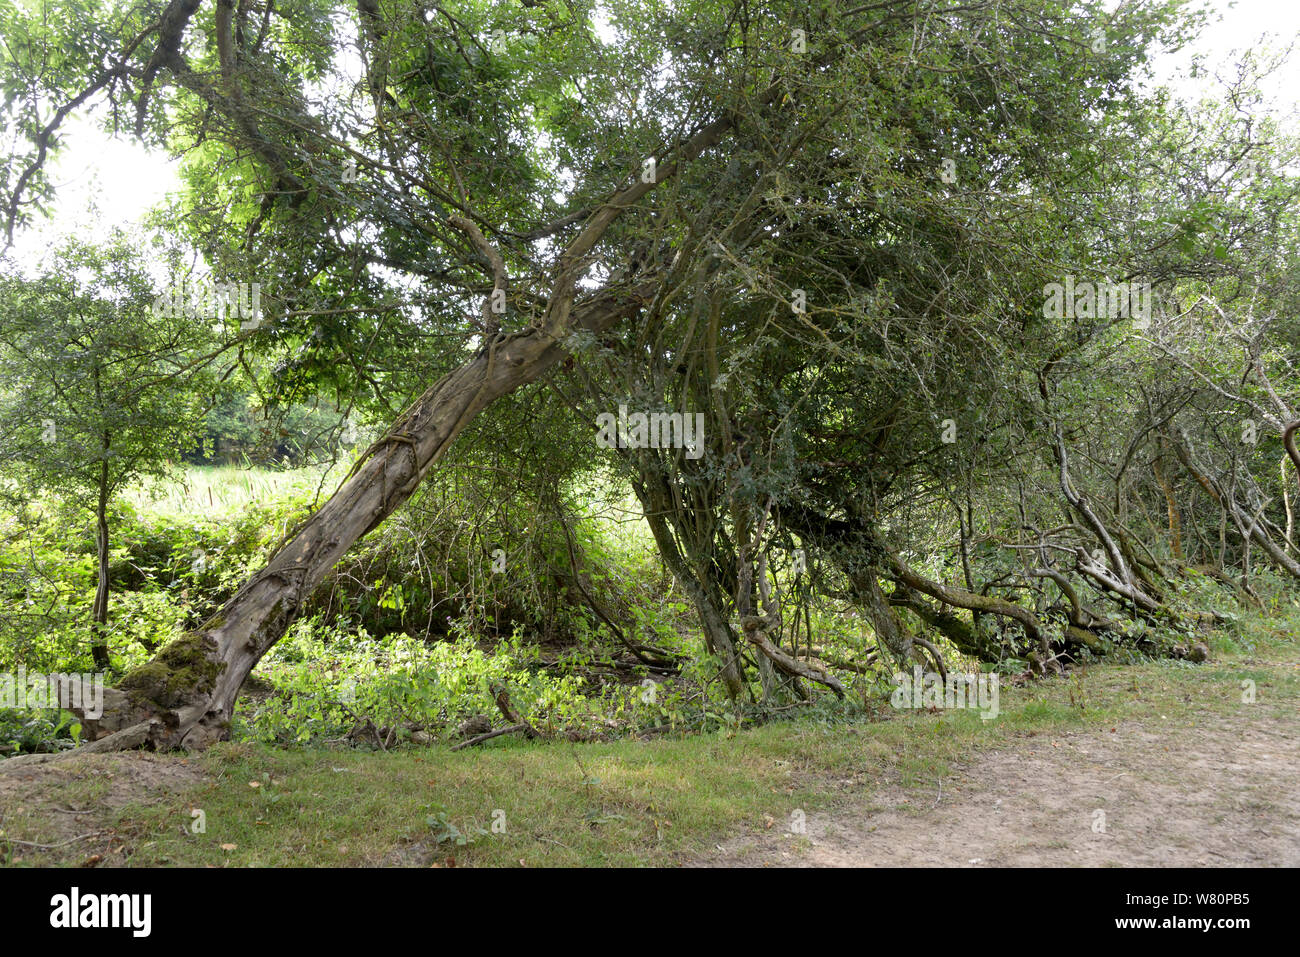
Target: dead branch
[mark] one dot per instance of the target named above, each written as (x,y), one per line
(502,698)
(509,729)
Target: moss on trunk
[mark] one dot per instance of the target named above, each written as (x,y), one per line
(182,670)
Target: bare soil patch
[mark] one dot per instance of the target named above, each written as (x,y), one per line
(73,803)
(1223,793)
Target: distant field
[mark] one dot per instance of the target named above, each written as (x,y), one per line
(205,489)
(221,489)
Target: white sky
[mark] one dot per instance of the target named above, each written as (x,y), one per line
(124,180)
(1242,25)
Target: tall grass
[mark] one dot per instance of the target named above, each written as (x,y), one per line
(224,489)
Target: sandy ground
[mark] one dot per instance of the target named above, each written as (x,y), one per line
(1223,794)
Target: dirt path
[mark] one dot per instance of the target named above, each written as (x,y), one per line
(1223,794)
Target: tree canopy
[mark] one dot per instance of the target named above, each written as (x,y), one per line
(990,342)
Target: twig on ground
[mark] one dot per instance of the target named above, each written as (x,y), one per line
(47,847)
(509,729)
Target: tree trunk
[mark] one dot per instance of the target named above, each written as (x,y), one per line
(719,639)
(99,611)
(187,692)
(1289,443)
(1171,505)
(854,548)
(892,636)
(967,638)
(1120,578)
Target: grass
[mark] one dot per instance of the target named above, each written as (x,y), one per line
(209,489)
(630,802)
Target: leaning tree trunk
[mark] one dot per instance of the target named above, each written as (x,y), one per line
(185,696)
(854,548)
(1289,443)
(966,637)
(1119,578)
(1171,505)
(892,636)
